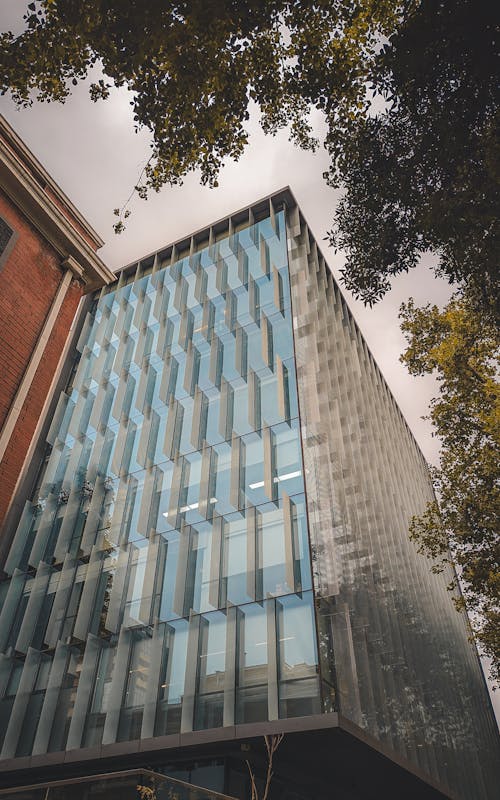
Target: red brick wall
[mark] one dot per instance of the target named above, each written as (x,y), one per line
(29,280)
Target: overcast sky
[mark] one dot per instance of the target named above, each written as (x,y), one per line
(93,153)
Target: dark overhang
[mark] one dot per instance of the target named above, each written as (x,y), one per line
(320,751)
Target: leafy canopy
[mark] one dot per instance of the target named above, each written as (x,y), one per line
(194,66)
(463,350)
(424,174)
(408,90)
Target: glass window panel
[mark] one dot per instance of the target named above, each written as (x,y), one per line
(282,336)
(191,487)
(223,481)
(169,576)
(209,711)
(235,559)
(288,458)
(172,672)
(233,278)
(266,295)
(199,337)
(204,381)
(241,425)
(185,444)
(243,316)
(173,689)
(213,433)
(202,568)
(212,653)
(211,270)
(270,521)
(296,637)
(138,672)
(252,673)
(252,704)
(254,469)
(162,523)
(191,300)
(99,703)
(300,698)
(137,571)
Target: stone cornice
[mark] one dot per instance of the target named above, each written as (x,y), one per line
(32,190)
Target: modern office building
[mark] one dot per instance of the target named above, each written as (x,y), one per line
(216,546)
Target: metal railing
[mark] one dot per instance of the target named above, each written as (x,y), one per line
(134,784)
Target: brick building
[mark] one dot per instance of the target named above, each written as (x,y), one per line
(48,260)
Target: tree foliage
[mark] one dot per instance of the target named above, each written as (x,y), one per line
(194,67)
(424,174)
(463,350)
(408,90)
(421,174)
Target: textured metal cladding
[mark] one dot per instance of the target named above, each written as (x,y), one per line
(393,649)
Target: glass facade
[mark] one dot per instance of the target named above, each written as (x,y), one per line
(161,582)
(220,530)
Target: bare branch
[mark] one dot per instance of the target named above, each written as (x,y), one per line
(254,795)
